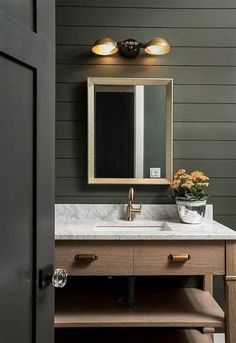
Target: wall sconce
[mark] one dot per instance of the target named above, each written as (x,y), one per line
(130,47)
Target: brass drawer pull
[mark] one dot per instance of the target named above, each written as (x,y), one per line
(179,257)
(86,257)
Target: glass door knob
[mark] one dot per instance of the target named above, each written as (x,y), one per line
(59,278)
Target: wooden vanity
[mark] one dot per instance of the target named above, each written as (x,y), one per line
(193,312)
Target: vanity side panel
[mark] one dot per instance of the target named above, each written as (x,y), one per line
(151,258)
(230,292)
(114,258)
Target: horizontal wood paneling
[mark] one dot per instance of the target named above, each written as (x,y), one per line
(201,131)
(77,167)
(79,187)
(213,168)
(112,200)
(223,205)
(71,111)
(229,220)
(71,92)
(150,3)
(182,130)
(205,93)
(182,149)
(145,17)
(71,148)
(205,149)
(182,93)
(223,187)
(71,130)
(182,75)
(205,112)
(182,112)
(71,167)
(202,34)
(78,35)
(179,56)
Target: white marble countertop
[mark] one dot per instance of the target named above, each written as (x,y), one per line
(156,222)
(72,229)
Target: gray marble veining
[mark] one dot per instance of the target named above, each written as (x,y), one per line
(89,211)
(117,212)
(156,222)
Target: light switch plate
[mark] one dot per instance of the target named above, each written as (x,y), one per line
(155,173)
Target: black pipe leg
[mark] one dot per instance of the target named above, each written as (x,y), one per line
(131,292)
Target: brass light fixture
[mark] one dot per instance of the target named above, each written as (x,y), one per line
(104,47)
(130,47)
(157,46)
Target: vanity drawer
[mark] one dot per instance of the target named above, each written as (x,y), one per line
(95,257)
(179,258)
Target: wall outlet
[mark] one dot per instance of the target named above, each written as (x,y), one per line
(155,172)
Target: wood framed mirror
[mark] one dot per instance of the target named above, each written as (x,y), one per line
(130,130)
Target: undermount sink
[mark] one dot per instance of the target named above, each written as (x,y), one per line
(132,227)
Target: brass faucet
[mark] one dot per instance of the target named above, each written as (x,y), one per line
(131,209)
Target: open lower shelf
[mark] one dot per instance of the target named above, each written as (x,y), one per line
(150,336)
(181,307)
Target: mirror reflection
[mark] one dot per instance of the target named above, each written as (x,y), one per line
(130,132)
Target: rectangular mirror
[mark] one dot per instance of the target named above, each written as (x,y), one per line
(130,130)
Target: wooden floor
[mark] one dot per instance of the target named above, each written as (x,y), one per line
(186,307)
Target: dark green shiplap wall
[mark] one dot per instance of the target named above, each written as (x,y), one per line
(202,62)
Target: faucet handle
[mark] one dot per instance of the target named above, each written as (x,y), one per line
(137,208)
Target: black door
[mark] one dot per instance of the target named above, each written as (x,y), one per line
(26,169)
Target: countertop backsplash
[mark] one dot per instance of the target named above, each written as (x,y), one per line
(117,212)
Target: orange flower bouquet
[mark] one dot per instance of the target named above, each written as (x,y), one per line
(190,193)
(190,187)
